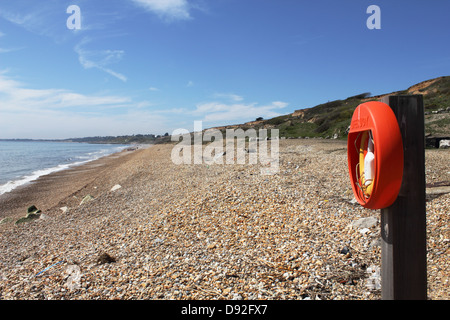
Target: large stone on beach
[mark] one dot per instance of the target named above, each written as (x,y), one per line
(73,281)
(33,209)
(32,214)
(116,187)
(365,223)
(86,199)
(29,217)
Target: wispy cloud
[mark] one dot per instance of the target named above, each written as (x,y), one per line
(168,10)
(99,59)
(216,112)
(6,50)
(33,17)
(228,96)
(54,124)
(26,20)
(17,97)
(60,113)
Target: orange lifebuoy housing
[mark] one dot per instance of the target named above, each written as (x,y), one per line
(375,155)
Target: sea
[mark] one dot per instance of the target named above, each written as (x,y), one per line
(24,161)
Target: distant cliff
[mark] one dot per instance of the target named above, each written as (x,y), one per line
(332,119)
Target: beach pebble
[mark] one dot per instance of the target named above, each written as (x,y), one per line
(74,277)
(116,187)
(365,223)
(86,199)
(43,216)
(364,231)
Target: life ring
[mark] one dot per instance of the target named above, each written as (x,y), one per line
(376,176)
(366,183)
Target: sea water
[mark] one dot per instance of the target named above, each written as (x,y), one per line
(25,161)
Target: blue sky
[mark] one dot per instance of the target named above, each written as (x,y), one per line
(153,66)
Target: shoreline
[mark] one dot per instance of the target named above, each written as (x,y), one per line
(37,173)
(42,191)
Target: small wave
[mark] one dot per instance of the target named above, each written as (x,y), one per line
(13,184)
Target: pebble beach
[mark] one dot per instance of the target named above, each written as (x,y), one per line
(134,225)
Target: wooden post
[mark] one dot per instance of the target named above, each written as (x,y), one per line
(403,224)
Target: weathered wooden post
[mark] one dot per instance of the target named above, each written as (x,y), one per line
(403,224)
